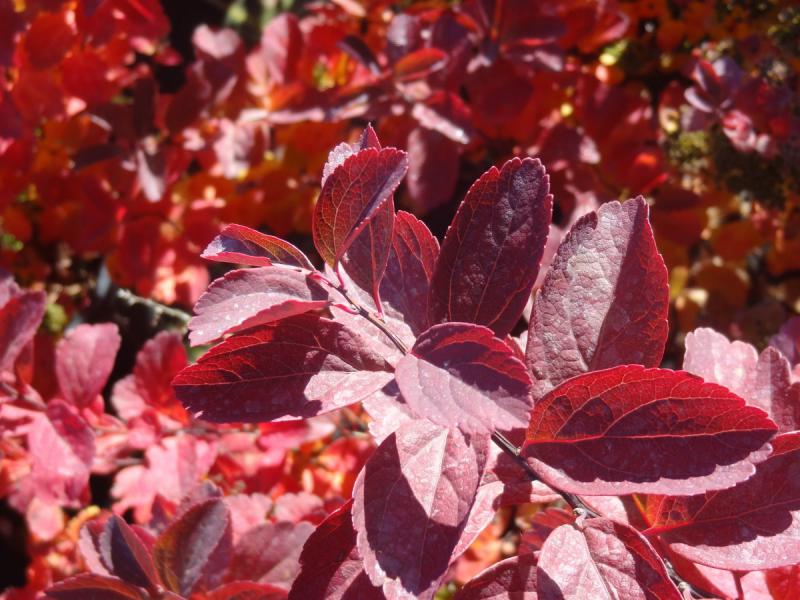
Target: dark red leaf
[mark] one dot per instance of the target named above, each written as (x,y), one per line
(84,360)
(49,38)
(491,253)
(351,195)
(20,316)
(598,558)
(95,587)
(511,579)
(432,169)
(459,375)
(126,555)
(242,245)
(193,553)
(247,590)
(404,287)
(754,525)
(411,503)
(296,368)
(604,301)
(330,566)
(270,553)
(763,380)
(246,298)
(635,430)
(419,64)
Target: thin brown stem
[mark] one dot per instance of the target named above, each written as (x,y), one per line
(374,319)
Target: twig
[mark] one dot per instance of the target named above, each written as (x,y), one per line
(159,309)
(374,319)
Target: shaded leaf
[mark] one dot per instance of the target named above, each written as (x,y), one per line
(247,590)
(511,579)
(419,63)
(242,245)
(630,429)
(20,316)
(84,360)
(249,297)
(297,368)
(270,553)
(598,558)
(490,256)
(95,587)
(411,503)
(604,300)
(126,555)
(754,525)
(459,375)
(432,169)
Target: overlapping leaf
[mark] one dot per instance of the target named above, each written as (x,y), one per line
(297,368)
(754,525)
(490,256)
(249,297)
(598,558)
(89,585)
(20,316)
(511,579)
(631,429)
(245,246)
(604,300)
(460,375)
(84,360)
(411,503)
(126,556)
(269,553)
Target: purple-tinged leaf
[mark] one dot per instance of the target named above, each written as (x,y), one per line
(604,301)
(20,316)
(601,559)
(193,553)
(95,587)
(432,169)
(249,297)
(511,579)
(84,360)
(635,430)
(490,256)
(409,269)
(351,196)
(247,590)
(330,566)
(411,503)
(294,369)
(763,380)
(459,375)
(754,525)
(126,555)
(242,245)
(787,340)
(270,553)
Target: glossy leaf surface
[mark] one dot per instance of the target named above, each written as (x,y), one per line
(245,246)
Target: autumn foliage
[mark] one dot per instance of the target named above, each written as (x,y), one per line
(489,299)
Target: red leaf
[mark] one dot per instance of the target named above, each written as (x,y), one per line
(270,553)
(419,64)
(511,579)
(20,316)
(544,522)
(84,360)
(351,195)
(630,429)
(330,566)
(247,590)
(126,556)
(598,558)
(432,169)
(296,368)
(49,38)
(460,375)
(95,587)
(754,525)
(249,297)
(194,552)
(404,287)
(763,380)
(604,301)
(491,253)
(411,503)
(242,245)
(281,47)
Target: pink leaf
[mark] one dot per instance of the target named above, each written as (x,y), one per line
(351,195)
(511,579)
(604,301)
(270,553)
(754,525)
(193,553)
(635,430)
(242,245)
(20,316)
(763,380)
(490,256)
(598,558)
(411,503)
(249,297)
(460,375)
(84,360)
(330,566)
(296,368)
